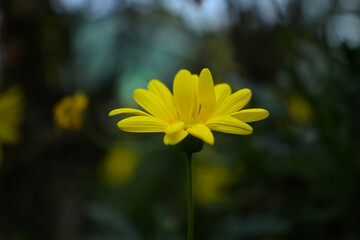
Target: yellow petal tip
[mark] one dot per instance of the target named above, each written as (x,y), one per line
(184,71)
(205,70)
(266,113)
(114,112)
(247,90)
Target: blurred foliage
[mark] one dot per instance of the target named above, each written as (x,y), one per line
(295,177)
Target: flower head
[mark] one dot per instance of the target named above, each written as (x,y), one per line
(68,113)
(212,183)
(300,109)
(11,111)
(11,116)
(196,107)
(119,166)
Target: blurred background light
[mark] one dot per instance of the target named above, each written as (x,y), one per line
(210,15)
(315,9)
(349,5)
(344,29)
(92,9)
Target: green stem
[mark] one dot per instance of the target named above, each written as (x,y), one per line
(190,196)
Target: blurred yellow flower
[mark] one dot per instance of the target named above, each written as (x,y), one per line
(11,116)
(300,109)
(118,166)
(68,112)
(211,184)
(196,107)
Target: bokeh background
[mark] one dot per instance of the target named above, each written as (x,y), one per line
(67,172)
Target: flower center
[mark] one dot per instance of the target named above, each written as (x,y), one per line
(190,123)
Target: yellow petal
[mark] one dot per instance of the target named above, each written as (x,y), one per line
(160,90)
(251,115)
(233,103)
(175,138)
(229,124)
(142,124)
(184,93)
(202,132)
(195,113)
(152,103)
(175,127)
(222,91)
(206,92)
(128,110)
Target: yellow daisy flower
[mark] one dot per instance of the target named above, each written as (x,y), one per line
(12,105)
(119,166)
(68,112)
(300,109)
(11,115)
(211,183)
(196,107)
